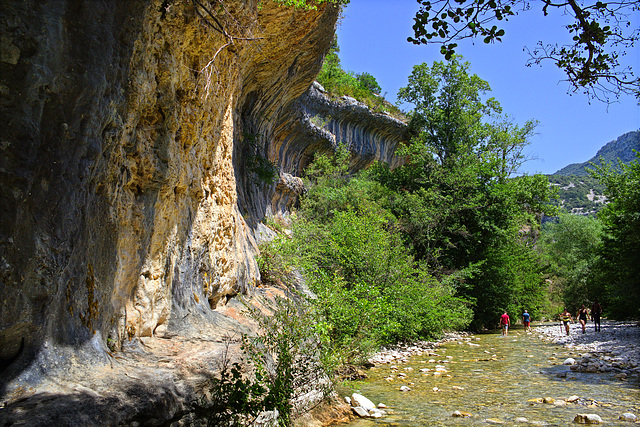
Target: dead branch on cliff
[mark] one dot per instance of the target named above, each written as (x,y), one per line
(209,71)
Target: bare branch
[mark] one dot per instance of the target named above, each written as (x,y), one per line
(602,31)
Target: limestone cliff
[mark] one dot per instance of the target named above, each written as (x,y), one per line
(129,207)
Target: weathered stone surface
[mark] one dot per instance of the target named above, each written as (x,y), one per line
(359,400)
(360,411)
(324,124)
(628,416)
(129,204)
(587,419)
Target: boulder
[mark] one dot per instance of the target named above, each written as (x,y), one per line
(360,411)
(587,419)
(628,416)
(360,400)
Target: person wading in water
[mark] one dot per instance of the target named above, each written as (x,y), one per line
(583,315)
(526,321)
(596,312)
(565,317)
(505,323)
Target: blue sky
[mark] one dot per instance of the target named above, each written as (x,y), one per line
(372,37)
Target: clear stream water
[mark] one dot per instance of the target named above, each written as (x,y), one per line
(494,378)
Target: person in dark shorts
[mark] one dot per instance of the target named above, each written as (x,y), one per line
(526,321)
(596,312)
(565,317)
(505,323)
(583,315)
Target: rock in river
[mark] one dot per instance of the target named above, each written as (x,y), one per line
(587,419)
(360,400)
(628,416)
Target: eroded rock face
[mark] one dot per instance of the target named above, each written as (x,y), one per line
(123,141)
(130,198)
(321,124)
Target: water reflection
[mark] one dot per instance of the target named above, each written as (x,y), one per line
(494,379)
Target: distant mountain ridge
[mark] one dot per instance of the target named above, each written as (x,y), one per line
(622,149)
(581,194)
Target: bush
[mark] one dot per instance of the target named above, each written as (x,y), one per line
(288,355)
(362,87)
(370,289)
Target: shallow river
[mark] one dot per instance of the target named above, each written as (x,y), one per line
(495,378)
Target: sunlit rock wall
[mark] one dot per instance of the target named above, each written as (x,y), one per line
(130,198)
(319,124)
(124,136)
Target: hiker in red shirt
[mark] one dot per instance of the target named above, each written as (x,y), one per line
(505,323)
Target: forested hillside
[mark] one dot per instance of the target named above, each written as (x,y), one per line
(580,193)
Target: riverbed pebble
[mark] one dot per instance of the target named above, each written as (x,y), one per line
(363,407)
(402,352)
(628,416)
(462,414)
(587,419)
(359,400)
(360,411)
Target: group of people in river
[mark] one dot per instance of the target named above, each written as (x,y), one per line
(505,322)
(582,315)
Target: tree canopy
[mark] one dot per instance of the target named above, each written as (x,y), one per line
(619,269)
(601,32)
(455,199)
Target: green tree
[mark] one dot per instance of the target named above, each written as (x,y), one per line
(363,87)
(601,31)
(569,245)
(368,82)
(619,268)
(454,196)
(369,288)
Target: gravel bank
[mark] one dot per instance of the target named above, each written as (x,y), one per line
(402,352)
(616,348)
